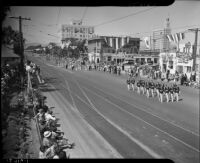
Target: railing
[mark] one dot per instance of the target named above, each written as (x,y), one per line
(29,88)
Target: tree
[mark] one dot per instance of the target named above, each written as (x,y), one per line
(12,37)
(4,10)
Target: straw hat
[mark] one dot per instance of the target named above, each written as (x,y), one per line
(47,134)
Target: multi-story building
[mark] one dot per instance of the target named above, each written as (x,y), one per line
(108,48)
(159,40)
(76,30)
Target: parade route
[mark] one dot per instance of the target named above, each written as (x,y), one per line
(132,125)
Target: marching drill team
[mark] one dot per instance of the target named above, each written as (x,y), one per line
(151,88)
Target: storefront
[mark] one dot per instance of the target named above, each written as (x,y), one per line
(94,57)
(167,62)
(184,66)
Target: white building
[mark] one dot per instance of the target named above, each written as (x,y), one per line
(76,30)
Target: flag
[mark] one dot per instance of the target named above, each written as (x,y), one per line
(122,41)
(147,42)
(170,38)
(182,36)
(177,37)
(105,40)
(117,43)
(110,42)
(127,40)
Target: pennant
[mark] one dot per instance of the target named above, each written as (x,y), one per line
(105,40)
(147,42)
(116,43)
(127,40)
(122,41)
(119,42)
(177,37)
(170,38)
(110,43)
(182,36)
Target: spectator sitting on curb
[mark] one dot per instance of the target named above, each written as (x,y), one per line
(42,154)
(48,116)
(49,139)
(40,115)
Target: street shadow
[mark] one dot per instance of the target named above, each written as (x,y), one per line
(48,89)
(50,80)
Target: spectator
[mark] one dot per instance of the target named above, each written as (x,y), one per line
(42,154)
(40,115)
(62,155)
(47,140)
(48,116)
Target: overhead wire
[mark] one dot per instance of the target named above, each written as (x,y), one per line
(117,19)
(84,14)
(58,16)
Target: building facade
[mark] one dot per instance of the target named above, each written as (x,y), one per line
(159,40)
(76,30)
(111,48)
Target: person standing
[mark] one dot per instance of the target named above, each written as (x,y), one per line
(133,83)
(166,89)
(177,91)
(161,90)
(138,86)
(147,89)
(171,91)
(128,81)
(142,86)
(152,86)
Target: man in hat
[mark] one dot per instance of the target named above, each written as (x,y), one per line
(49,138)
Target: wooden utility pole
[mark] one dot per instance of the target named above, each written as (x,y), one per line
(194,52)
(21,46)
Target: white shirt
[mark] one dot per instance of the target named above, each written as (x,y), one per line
(49,116)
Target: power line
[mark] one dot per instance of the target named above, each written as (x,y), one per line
(83,14)
(58,16)
(117,19)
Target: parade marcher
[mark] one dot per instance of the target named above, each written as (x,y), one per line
(133,83)
(171,91)
(176,91)
(157,90)
(143,86)
(166,90)
(128,81)
(152,86)
(138,86)
(147,89)
(161,91)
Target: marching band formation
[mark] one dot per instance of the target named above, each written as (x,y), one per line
(152,88)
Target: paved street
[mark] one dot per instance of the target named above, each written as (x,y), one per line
(129,124)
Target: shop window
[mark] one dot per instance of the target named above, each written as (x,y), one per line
(189,69)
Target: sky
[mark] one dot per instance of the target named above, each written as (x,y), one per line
(135,21)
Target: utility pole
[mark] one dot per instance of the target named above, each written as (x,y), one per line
(21,46)
(194,52)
